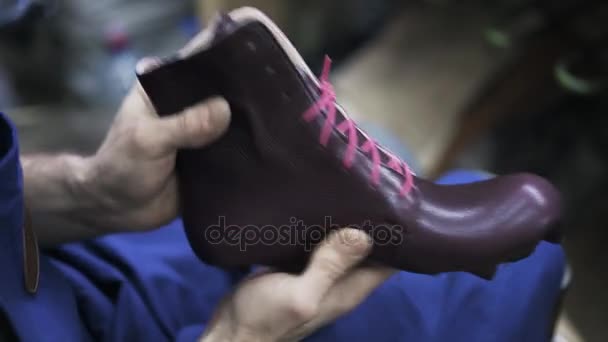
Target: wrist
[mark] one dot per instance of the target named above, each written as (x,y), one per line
(91,205)
(61,185)
(80,184)
(54,183)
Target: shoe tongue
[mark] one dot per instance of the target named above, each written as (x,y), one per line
(341,116)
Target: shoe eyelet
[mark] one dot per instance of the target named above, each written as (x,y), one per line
(285,96)
(251,46)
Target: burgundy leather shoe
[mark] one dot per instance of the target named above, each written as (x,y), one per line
(293,166)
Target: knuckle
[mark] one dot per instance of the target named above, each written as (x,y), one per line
(182,123)
(329,265)
(334,260)
(205,123)
(184,128)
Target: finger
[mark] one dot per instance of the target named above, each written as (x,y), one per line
(202,39)
(350,291)
(147,64)
(333,259)
(196,126)
(136,104)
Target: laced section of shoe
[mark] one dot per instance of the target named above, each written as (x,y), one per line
(327,103)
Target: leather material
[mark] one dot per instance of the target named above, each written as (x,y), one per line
(31,257)
(269,175)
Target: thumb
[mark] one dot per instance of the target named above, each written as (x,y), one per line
(333,259)
(196,126)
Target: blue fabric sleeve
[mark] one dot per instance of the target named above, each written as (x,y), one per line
(52,313)
(190,333)
(145,286)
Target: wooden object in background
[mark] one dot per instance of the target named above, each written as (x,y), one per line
(275,9)
(526,84)
(419,75)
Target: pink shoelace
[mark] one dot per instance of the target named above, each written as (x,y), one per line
(327,103)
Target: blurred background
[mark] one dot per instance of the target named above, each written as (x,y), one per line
(504,86)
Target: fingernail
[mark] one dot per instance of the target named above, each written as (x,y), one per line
(147,64)
(219,113)
(355,239)
(218,105)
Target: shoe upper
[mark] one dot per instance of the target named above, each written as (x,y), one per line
(279,180)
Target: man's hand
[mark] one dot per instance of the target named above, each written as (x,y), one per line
(130,183)
(274,307)
(133,171)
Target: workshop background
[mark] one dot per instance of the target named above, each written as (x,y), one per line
(504,86)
